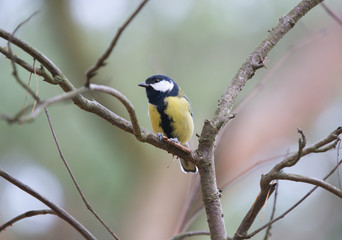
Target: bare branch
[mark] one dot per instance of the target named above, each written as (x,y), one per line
(256,60)
(88,105)
(276,171)
(59,211)
(294,206)
(332,14)
(74,179)
(42,105)
(253,212)
(49,65)
(26,215)
(310,180)
(124,100)
(268,230)
(317,147)
(189,234)
(337,159)
(40,71)
(101,61)
(204,155)
(11,57)
(281,216)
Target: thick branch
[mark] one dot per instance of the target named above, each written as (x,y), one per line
(204,155)
(253,212)
(256,59)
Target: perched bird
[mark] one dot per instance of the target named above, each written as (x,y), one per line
(170,112)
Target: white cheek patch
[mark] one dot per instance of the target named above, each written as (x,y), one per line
(162,86)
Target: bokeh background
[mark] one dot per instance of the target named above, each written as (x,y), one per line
(137,189)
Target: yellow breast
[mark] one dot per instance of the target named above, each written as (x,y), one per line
(178,111)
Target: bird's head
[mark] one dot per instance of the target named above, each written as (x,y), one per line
(159,87)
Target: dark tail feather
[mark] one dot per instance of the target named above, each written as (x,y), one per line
(188,167)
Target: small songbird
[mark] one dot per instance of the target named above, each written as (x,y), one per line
(170,112)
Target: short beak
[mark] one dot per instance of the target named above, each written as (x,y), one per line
(145,85)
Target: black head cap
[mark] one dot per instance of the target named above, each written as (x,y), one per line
(158,87)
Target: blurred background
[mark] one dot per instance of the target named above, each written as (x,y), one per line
(138,189)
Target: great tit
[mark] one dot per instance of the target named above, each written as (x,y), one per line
(170,112)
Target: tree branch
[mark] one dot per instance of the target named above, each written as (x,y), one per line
(294,206)
(310,180)
(331,13)
(276,171)
(204,155)
(74,179)
(101,61)
(11,57)
(268,230)
(253,212)
(40,71)
(189,234)
(331,140)
(59,211)
(26,215)
(256,59)
(49,65)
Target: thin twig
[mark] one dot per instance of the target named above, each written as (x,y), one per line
(189,234)
(331,13)
(35,76)
(294,206)
(74,179)
(276,170)
(25,102)
(337,158)
(42,105)
(268,230)
(26,215)
(60,212)
(41,72)
(15,72)
(94,88)
(331,138)
(314,181)
(101,61)
(33,52)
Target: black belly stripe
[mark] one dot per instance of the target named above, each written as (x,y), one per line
(165,123)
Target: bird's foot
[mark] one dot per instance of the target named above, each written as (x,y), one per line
(160,136)
(175,140)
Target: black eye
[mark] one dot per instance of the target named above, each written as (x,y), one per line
(157,80)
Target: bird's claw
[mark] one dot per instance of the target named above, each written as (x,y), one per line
(175,140)
(160,136)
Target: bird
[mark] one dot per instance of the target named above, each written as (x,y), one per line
(170,112)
